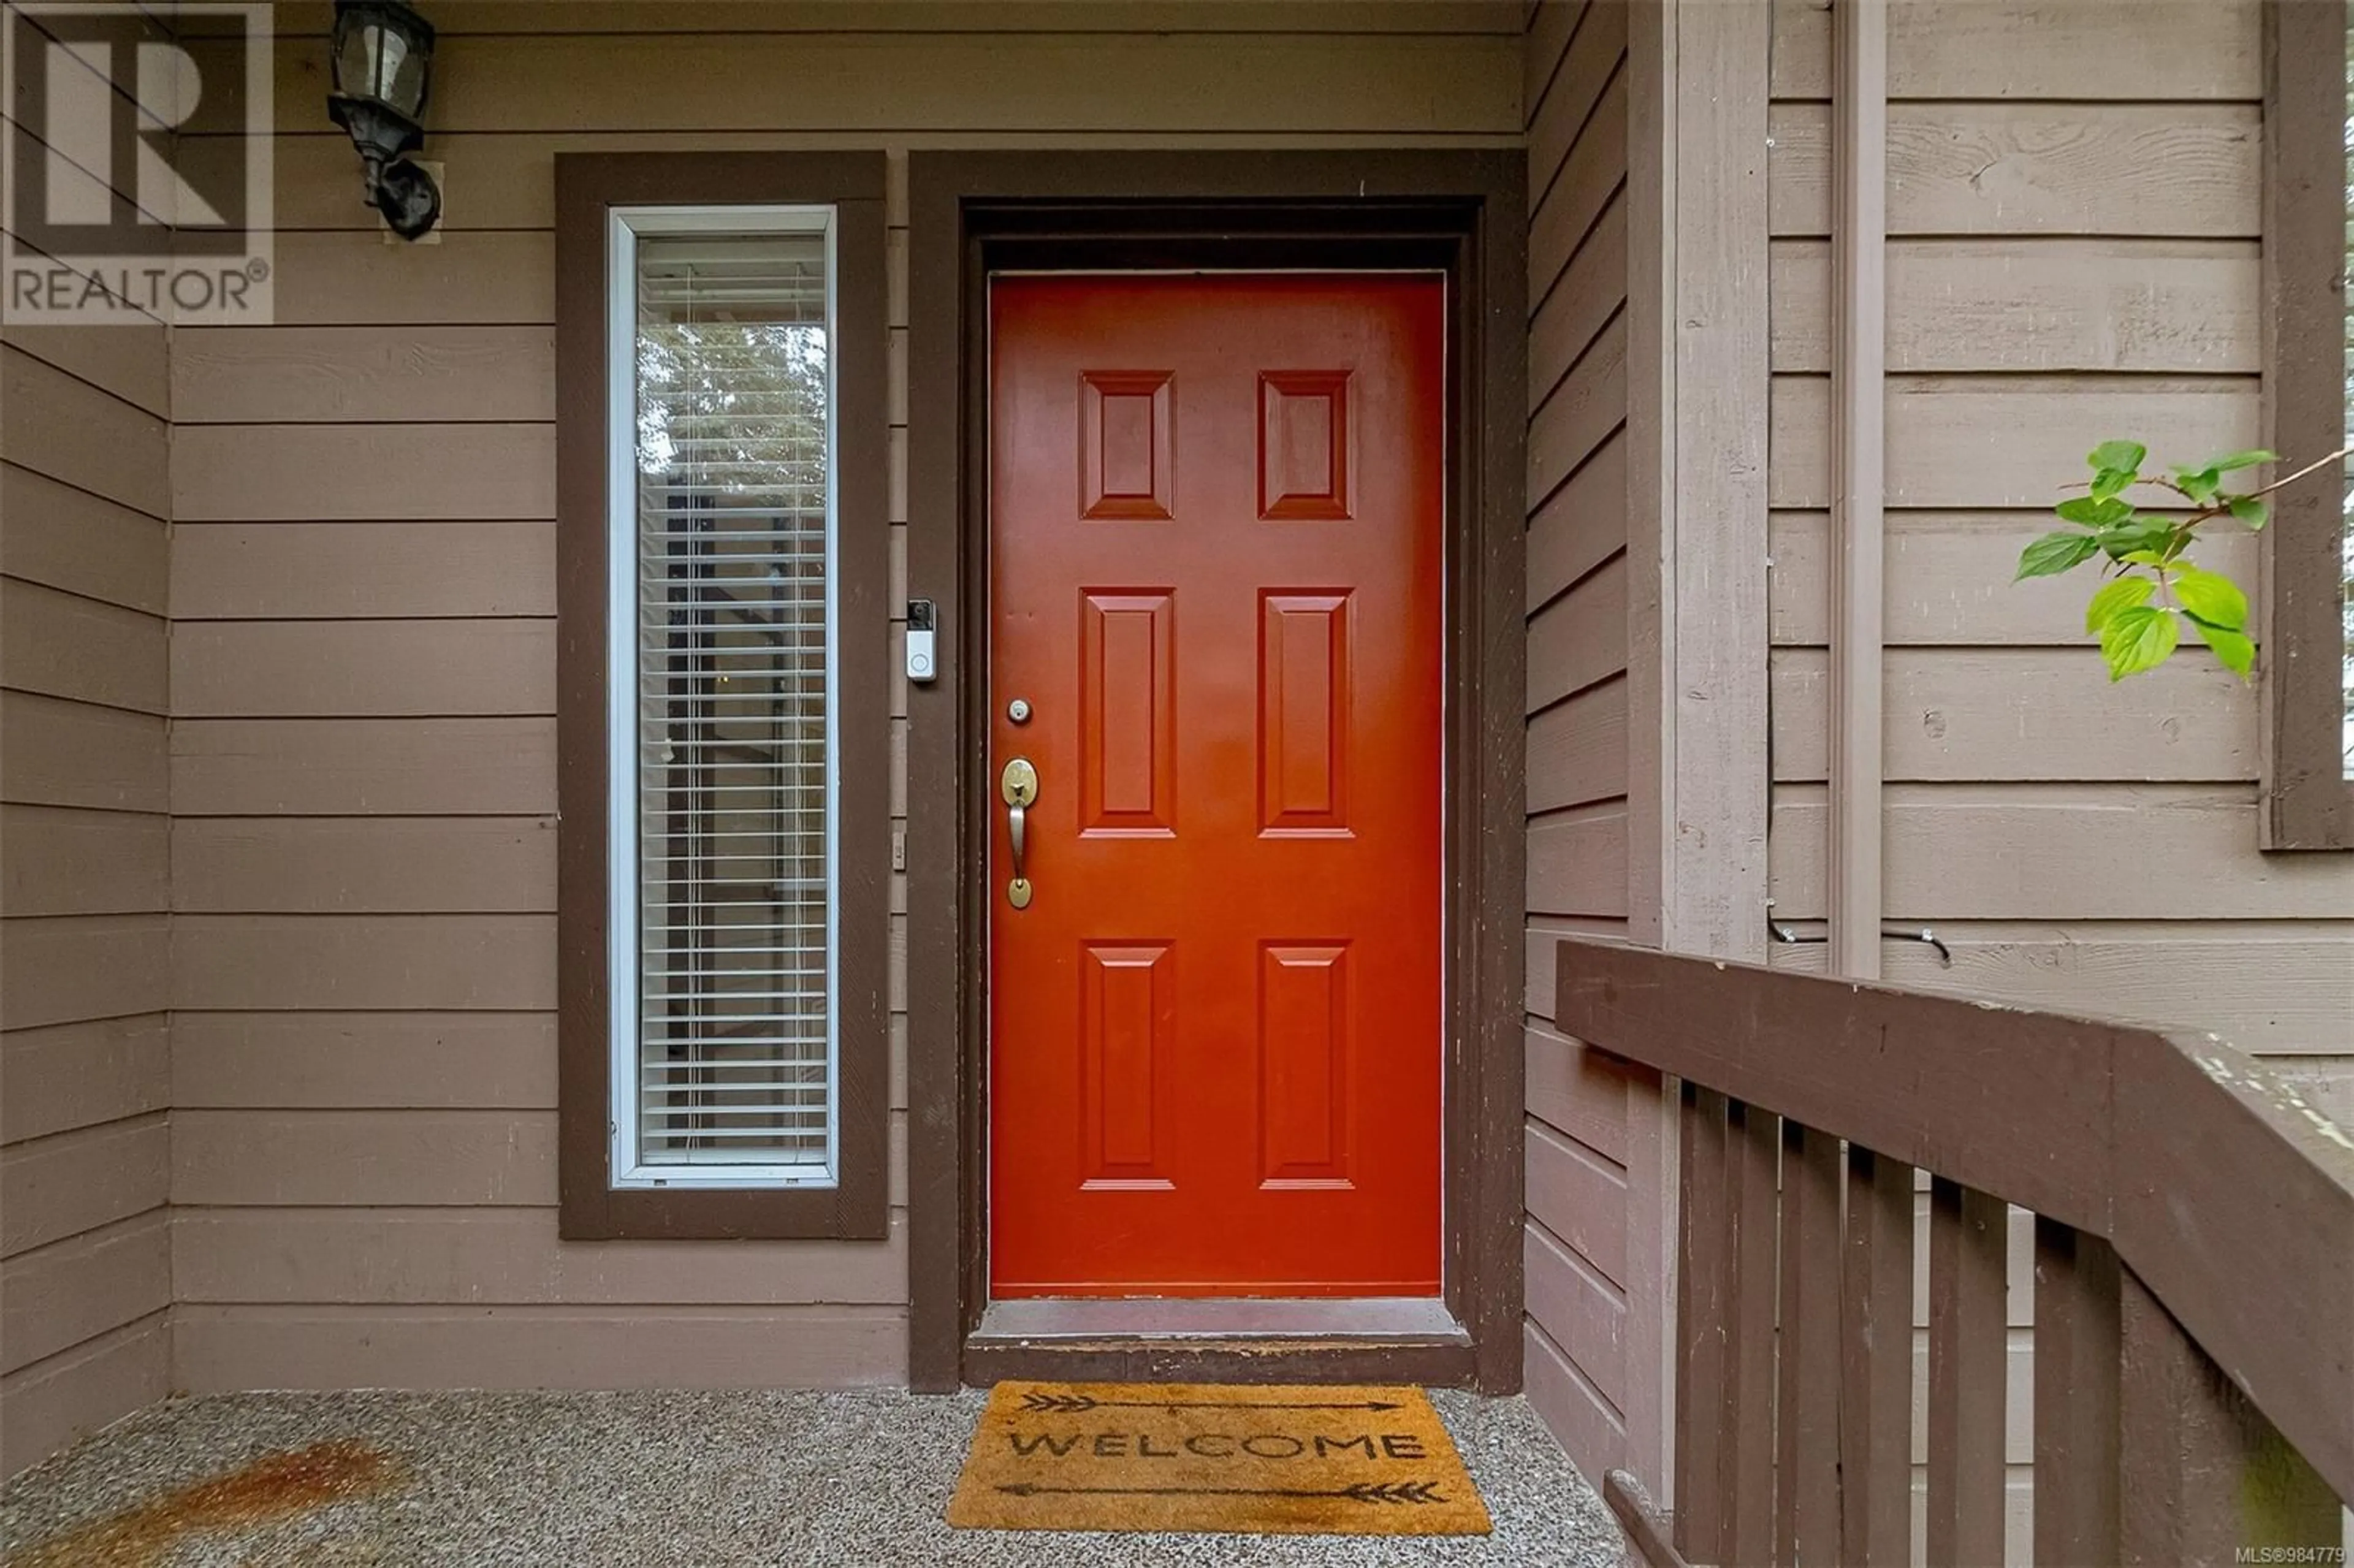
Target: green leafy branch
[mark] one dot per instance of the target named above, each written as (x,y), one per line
(2154,585)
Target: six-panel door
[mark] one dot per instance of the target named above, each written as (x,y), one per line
(1217,581)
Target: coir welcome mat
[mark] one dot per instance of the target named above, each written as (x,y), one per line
(1207,1457)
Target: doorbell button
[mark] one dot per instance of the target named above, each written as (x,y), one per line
(923,662)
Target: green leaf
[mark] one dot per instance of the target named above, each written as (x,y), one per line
(2199,485)
(2110,482)
(2119,457)
(2093,514)
(2138,639)
(2055,553)
(2140,534)
(2238,654)
(2252,509)
(2123,594)
(2212,597)
(2249,458)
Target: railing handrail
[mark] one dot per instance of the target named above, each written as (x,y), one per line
(2227,1194)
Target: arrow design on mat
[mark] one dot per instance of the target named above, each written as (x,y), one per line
(1080,1404)
(1395,1492)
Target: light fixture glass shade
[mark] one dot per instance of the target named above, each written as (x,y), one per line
(382,57)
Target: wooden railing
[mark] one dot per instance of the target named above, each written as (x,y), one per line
(2193,1275)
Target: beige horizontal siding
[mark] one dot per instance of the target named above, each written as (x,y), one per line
(85,868)
(1575,1241)
(653,1344)
(362,663)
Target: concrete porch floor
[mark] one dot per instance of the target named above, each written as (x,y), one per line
(675,1480)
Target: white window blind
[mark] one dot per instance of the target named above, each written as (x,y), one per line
(723,785)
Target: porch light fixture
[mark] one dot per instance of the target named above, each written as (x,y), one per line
(384,67)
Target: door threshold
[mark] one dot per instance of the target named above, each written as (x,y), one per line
(1219,1317)
(1385,1339)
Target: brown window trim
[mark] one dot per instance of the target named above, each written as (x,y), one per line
(2308,801)
(587,184)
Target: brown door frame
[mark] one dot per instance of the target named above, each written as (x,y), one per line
(1461,213)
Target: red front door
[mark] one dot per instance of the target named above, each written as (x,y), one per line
(1216,526)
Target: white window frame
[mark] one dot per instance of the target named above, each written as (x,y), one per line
(625,891)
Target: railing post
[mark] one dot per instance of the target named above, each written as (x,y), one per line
(1703,1289)
(2203,1475)
(1753,1148)
(1967,1353)
(2076,1424)
(1876,1365)
(1807,1489)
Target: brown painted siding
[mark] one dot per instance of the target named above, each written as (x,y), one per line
(85,1049)
(363,763)
(2043,296)
(1575,1241)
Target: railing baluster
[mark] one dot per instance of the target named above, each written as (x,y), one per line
(1703,1292)
(1967,1375)
(1876,1364)
(2204,1475)
(2076,1350)
(1753,1148)
(1807,1490)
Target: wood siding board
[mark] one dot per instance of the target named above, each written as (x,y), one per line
(1986,851)
(354,767)
(652,1345)
(1577,1307)
(1580,526)
(64,753)
(377,472)
(385,1060)
(364,571)
(1577,1413)
(301,669)
(1577,861)
(50,1403)
(364,864)
(503,1256)
(1578,1092)
(80,435)
(1567,213)
(1949,581)
(1458,84)
(297,375)
(1541,938)
(1562,107)
(1987,442)
(2023,50)
(1580,1197)
(63,1185)
(83,1074)
(66,969)
(1589,290)
(80,542)
(1586,407)
(2002,303)
(309,962)
(2027,714)
(71,1291)
(59,860)
(126,362)
(1580,638)
(1577,749)
(83,650)
(459,18)
(2035,169)
(2276,987)
(487,278)
(384,1159)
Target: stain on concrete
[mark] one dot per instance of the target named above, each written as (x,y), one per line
(264,1491)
